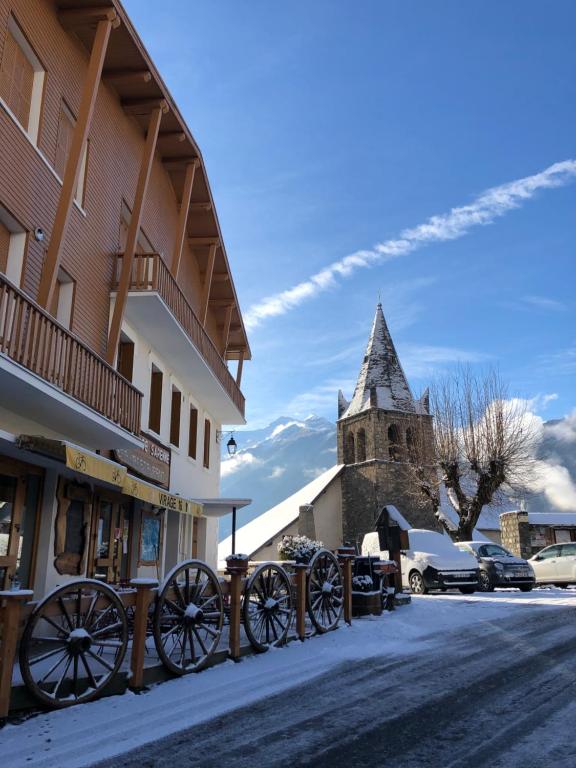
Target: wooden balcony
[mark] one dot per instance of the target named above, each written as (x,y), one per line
(32,338)
(151,275)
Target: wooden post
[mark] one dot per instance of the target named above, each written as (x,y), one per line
(70,180)
(134,230)
(301,571)
(236,582)
(346,564)
(183,216)
(239,371)
(208,283)
(10,613)
(145,589)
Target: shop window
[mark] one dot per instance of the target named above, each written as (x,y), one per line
(394,442)
(155,413)
(72,521)
(12,247)
(207,443)
(361,445)
(63,299)
(150,538)
(193,434)
(175,417)
(125,363)
(21,80)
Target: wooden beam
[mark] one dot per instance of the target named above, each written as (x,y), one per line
(132,234)
(176,163)
(71,18)
(126,76)
(144,106)
(202,242)
(201,206)
(207,284)
(226,329)
(72,170)
(178,136)
(220,277)
(222,302)
(183,218)
(239,370)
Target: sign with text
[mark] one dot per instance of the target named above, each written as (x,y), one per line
(151,462)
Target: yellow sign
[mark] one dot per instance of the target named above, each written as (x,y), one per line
(159,497)
(95,466)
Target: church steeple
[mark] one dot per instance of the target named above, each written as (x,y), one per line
(381,383)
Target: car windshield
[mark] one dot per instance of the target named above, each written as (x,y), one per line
(493,550)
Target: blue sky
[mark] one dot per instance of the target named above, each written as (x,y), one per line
(330,127)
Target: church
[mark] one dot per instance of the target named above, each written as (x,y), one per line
(377,432)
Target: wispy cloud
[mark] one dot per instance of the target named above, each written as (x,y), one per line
(490,205)
(545,303)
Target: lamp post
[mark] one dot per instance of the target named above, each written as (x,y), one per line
(231,445)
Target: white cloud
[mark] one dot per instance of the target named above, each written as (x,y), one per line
(544,303)
(555,482)
(238,462)
(314,472)
(490,205)
(565,430)
(276,472)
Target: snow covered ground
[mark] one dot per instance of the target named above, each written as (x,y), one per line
(85,734)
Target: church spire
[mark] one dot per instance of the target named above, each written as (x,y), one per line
(381,383)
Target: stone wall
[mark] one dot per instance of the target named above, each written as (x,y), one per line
(516,533)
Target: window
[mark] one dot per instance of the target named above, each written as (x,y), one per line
(125,364)
(569,550)
(394,442)
(350,448)
(66,126)
(21,80)
(361,446)
(493,550)
(193,434)
(155,413)
(550,552)
(12,247)
(175,417)
(207,443)
(63,299)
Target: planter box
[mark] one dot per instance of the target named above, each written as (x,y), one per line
(366,604)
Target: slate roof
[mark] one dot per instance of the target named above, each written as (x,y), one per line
(382,382)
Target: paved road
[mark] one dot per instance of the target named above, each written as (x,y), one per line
(499,695)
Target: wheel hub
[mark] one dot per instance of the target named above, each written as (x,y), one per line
(271,605)
(327,588)
(193,614)
(79,641)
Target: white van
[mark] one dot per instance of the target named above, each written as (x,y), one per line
(431,562)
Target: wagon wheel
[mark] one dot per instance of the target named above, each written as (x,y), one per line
(74,643)
(188,618)
(267,606)
(324,591)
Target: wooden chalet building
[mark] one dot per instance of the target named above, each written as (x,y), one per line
(118,312)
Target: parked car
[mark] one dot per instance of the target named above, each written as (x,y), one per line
(498,567)
(555,565)
(432,562)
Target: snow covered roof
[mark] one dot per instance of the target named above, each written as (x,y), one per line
(382,382)
(552,518)
(489,518)
(263,528)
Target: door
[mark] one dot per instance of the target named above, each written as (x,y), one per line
(547,567)
(11,503)
(110,555)
(20,492)
(567,563)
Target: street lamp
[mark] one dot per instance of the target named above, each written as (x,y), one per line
(231,445)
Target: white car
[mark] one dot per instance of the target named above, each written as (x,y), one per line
(432,562)
(555,565)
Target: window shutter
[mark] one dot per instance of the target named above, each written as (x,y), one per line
(206,443)
(155,401)
(16,80)
(193,435)
(64,140)
(4,245)
(175,418)
(126,359)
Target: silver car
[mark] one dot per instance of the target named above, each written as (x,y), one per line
(555,565)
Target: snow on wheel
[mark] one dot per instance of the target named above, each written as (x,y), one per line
(188,618)
(324,591)
(267,606)
(74,643)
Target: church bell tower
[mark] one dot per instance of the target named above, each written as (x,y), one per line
(376,431)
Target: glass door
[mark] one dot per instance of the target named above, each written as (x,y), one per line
(111,538)
(19,498)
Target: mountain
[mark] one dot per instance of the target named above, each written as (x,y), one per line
(274,462)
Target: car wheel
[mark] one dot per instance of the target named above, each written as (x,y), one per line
(467,590)
(417,585)
(526,588)
(560,586)
(485,582)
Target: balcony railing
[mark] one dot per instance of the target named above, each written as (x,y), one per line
(150,273)
(35,340)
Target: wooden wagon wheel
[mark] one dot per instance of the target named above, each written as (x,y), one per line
(324,591)
(188,618)
(73,643)
(267,609)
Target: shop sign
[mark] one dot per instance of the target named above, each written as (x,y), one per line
(152,461)
(95,466)
(160,498)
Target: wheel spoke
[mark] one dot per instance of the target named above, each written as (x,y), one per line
(200,641)
(54,667)
(110,628)
(61,680)
(91,677)
(100,660)
(65,613)
(48,655)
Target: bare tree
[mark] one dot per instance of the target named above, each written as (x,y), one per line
(483,442)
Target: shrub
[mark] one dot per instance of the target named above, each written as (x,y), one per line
(298,548)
